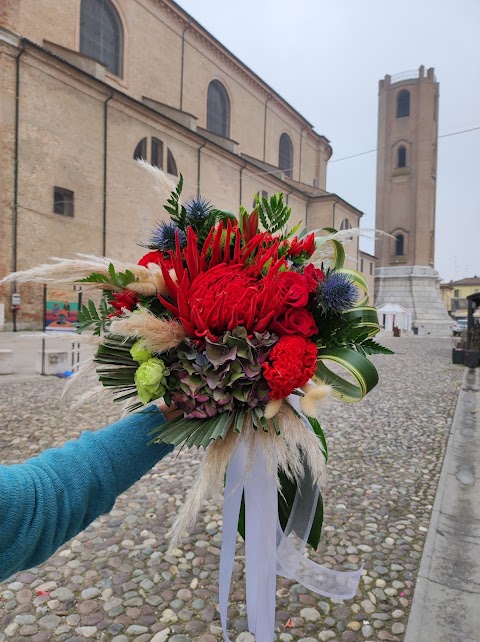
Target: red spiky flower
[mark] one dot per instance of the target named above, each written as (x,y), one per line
(222,285)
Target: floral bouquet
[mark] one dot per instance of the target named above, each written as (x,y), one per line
(235,322)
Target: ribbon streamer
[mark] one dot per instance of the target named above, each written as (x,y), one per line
(268,549)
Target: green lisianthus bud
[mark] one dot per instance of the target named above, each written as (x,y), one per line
(151,379)
(139,352)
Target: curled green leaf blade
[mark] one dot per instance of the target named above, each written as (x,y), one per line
(361,369)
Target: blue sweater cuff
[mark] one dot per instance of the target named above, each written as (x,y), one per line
(126,446)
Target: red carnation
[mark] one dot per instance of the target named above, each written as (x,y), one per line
(295,321)
(291,363)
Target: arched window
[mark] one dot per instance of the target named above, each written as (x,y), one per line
(157,153)
(399,244)
(171,164)
(156,158)
(285,155)
(141,150)
(101,34)
(218,109)
(345,224)
(403,103)
(401,157)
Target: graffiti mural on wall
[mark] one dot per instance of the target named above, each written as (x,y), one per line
(61,309)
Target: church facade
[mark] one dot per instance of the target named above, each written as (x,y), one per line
(88,86)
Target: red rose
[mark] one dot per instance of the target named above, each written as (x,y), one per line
(291,363)
(295,321)
(152,257)
(313,277)
(292,290)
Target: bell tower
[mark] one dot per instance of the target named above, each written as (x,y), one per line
(405,205)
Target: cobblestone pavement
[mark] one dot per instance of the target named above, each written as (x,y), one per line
(115,582)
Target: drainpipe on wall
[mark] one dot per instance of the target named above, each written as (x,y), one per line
(300,156)
(333,221)
(198,166)
(105,168)
(241,185)
(15,177)
(265,127)
(183,58)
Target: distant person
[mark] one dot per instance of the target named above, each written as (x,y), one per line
(55,309)
(66,307)
(48,499)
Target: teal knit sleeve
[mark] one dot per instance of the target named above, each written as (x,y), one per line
(47,500)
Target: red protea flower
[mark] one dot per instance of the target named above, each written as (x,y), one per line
(291,363)
(223,285)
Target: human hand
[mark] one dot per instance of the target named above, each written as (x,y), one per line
(169,412)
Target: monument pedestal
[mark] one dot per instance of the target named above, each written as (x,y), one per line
(417,289)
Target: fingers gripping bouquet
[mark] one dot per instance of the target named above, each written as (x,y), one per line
(234,322)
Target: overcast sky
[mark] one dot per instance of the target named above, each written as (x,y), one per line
(325,57)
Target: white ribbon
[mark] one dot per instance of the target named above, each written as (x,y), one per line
(268,549)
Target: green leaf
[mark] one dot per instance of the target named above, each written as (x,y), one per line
(93,311)
(317,429)
(371,347)
(239,420)
(193,432)
(273,214)
(337,246)
(285,503)
(358,366)
(94,277)
(177,212)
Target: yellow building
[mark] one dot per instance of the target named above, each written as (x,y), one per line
(89,85)
(454,295)
(366,266)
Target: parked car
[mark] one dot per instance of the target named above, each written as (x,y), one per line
(459,326)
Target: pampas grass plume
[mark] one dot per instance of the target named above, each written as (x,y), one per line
(272,408)
(313,394)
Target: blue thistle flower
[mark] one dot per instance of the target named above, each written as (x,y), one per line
(198,210)
(337,292)
(163,238)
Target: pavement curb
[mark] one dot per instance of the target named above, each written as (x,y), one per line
(446,602)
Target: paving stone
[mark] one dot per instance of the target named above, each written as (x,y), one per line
(63,594)
(49,621)
(162,636)
(86,631)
